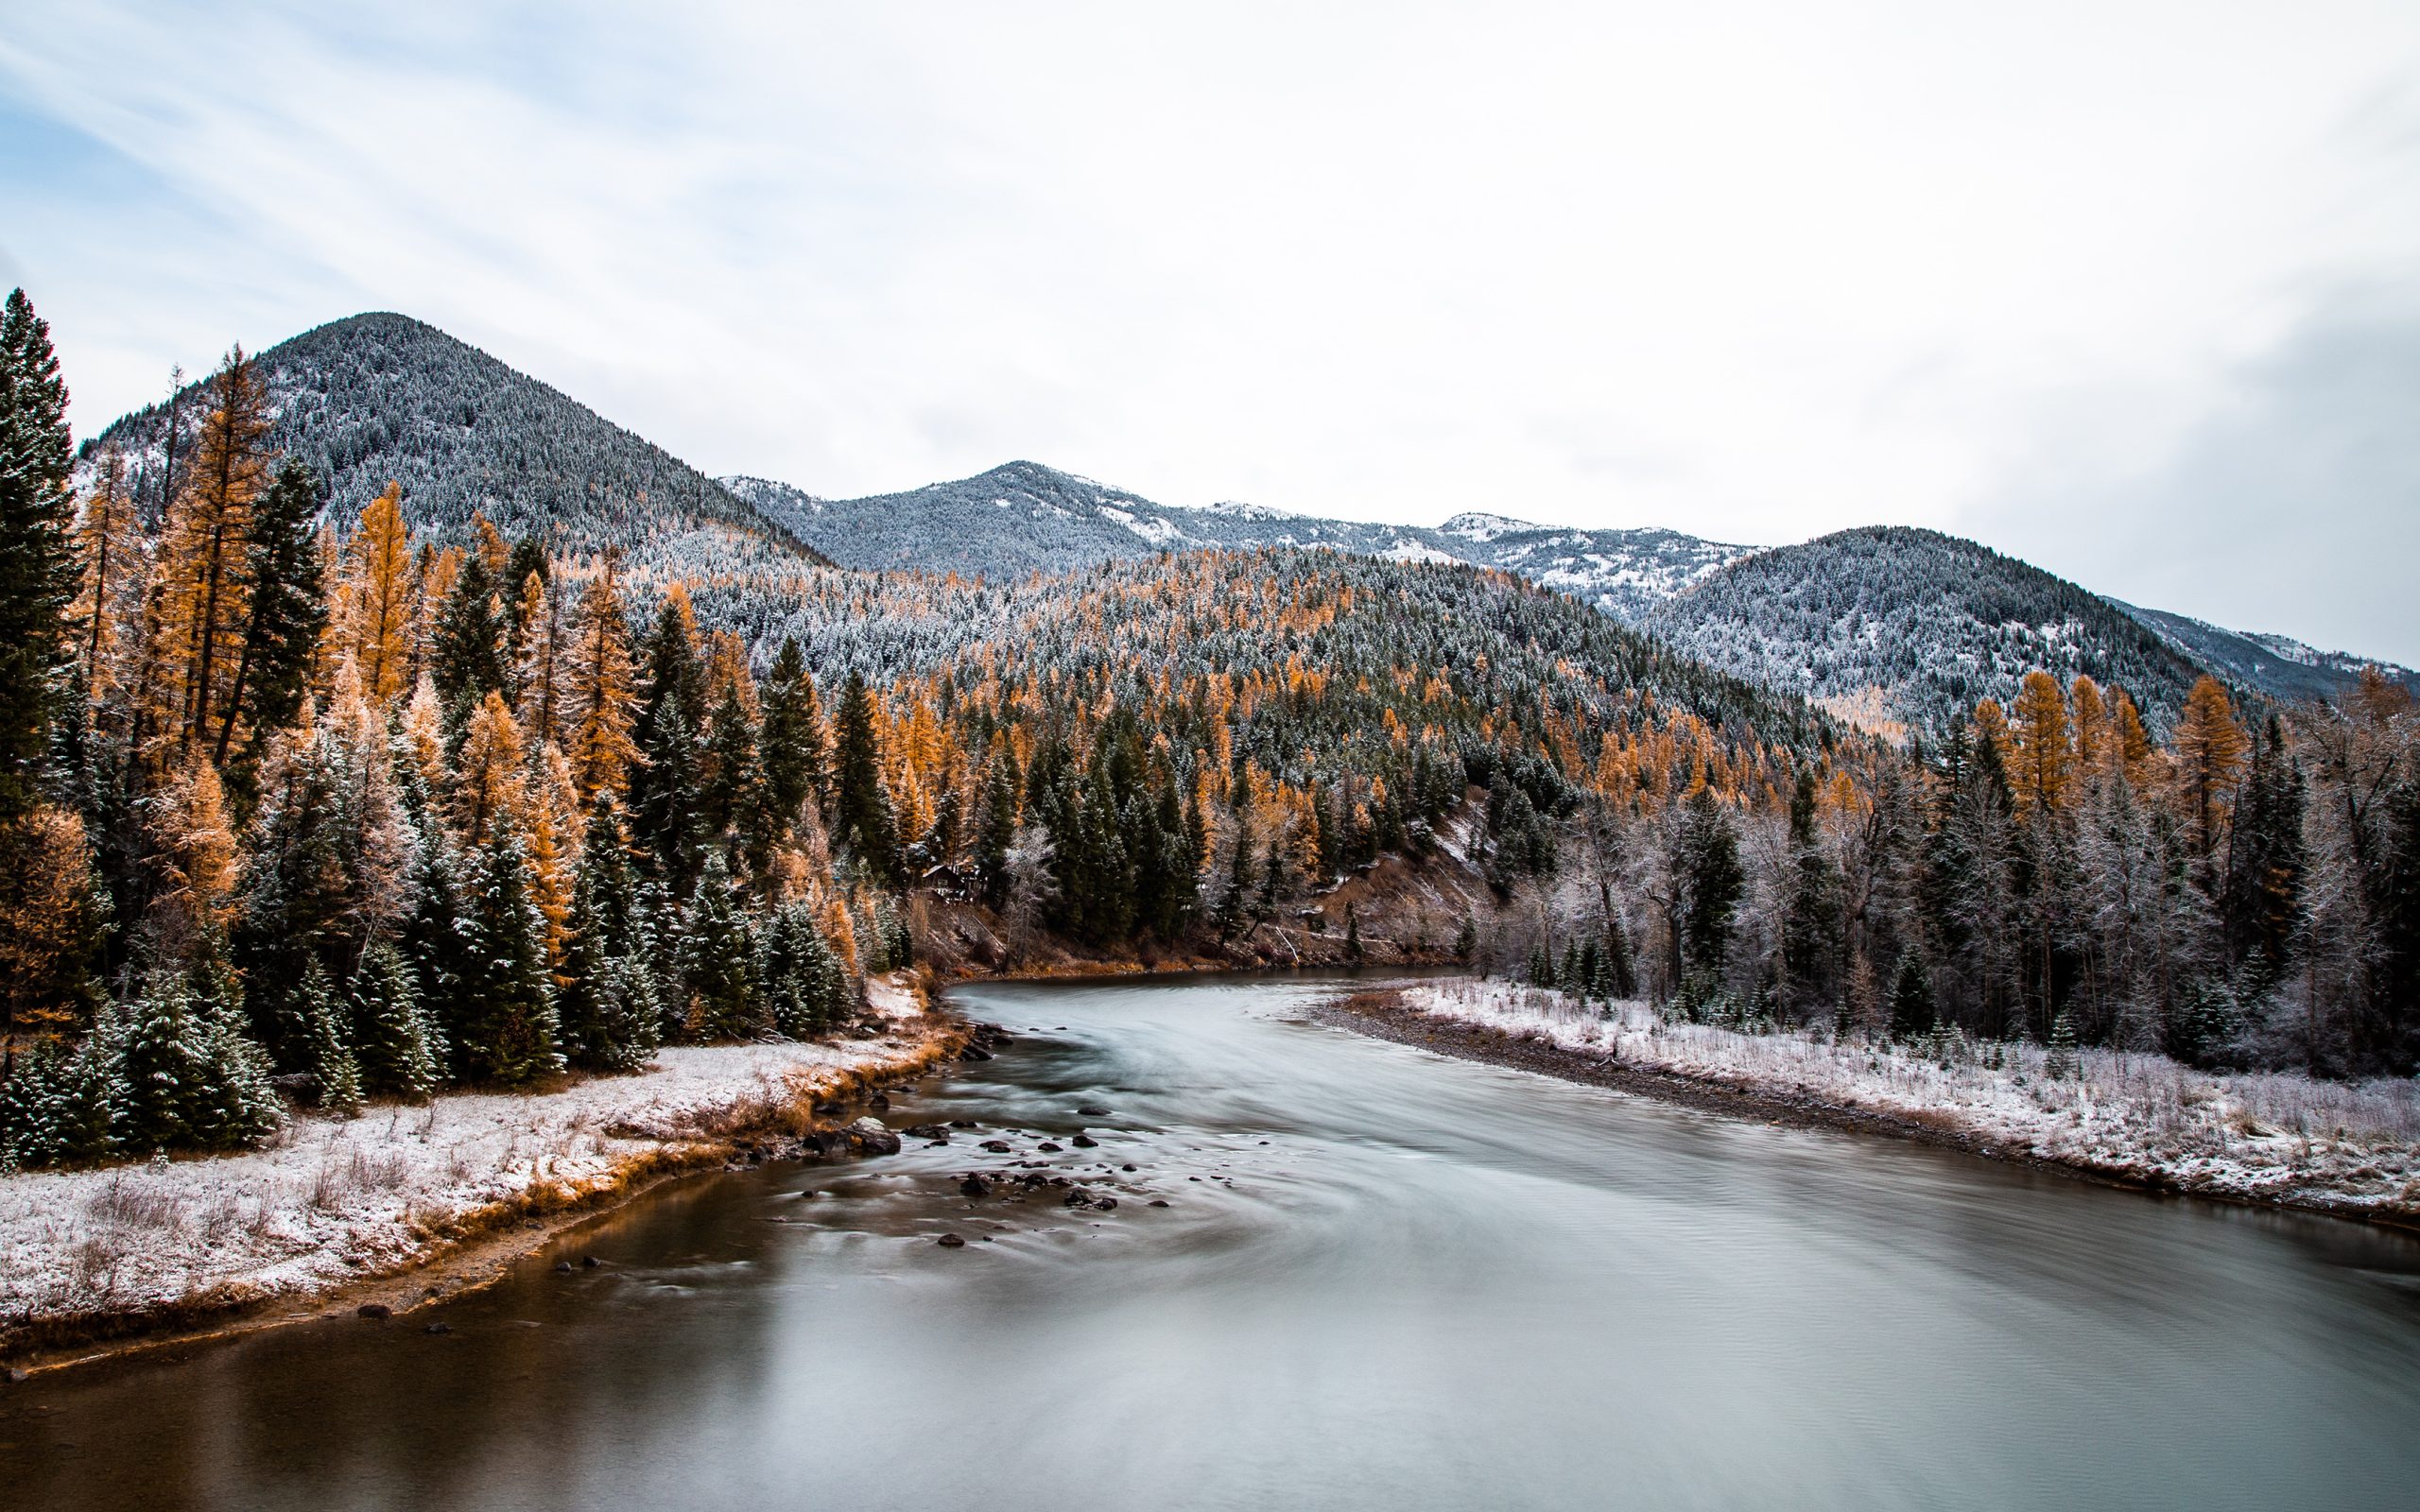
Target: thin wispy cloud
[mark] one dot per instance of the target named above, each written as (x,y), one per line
(1755,272)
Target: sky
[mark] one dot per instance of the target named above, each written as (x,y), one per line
(2128,290)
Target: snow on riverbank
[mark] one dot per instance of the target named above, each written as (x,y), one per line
(331,1201)
(2347,1146)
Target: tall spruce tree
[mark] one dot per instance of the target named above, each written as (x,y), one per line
(468,655)
(862,817)
(399,1049)
(507,1031)
(37,570)
(287,613)
(791,739)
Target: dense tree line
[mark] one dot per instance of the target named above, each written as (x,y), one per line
(296,799)
(364,812)
(2245,893)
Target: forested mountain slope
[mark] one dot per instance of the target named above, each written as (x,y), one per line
(1891,622)
(1023,517)
(2277,665)
(383,398)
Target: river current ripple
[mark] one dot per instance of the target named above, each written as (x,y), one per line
(1382,1279)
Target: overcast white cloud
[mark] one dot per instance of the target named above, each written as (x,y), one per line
(2128,289)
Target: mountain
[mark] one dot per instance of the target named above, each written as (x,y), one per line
(1892,625)
(383,397)
(2277,665)
(1025,517)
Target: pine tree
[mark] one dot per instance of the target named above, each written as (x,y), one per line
(55,1104)
(1234,903)
(298,896)
(611,1016)
(435,942)
(467,658)
(732,782)
(791,739)
(186,1077)
(717,960)
(1708,866)
(400,1050)
(38,568)
(862,818)
(286,615)
(1810,924)
(997,832)
(334,1068)
(1911,1002)
(508,1030)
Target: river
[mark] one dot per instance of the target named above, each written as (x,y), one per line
(1383,1279)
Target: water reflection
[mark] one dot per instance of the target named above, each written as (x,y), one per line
(1383,1279)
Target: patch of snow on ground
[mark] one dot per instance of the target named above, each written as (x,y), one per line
(336,1200)
(2276,1137)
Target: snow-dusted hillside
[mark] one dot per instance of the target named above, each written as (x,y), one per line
(2278,665)
(1025,517)
(379,398)
(1914,624)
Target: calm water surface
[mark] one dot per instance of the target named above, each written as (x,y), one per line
(1384,1279)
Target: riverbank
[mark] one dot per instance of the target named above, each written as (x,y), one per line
(336,1213)
(2351,1150)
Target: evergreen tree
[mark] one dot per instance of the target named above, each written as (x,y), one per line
(862,818)
(334,1068)
(791,739)
(997,831)
(717,960)
(186,1077)
(1811,924)
(730,795)
(400,1050)
(55,1104)
(1911,1004)
(2266,862)
(38,568)
(507,1029)
(288,611)
(612,1018)
(1706,865)
(447,976)
(467,662)
(663,794)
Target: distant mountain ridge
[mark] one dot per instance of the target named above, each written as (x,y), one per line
(1025,517)
(1887,626)
(381,397)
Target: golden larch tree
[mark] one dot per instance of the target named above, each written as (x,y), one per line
(375,617)
(205,561)
(600,692)
(2210,748)
(2041,760)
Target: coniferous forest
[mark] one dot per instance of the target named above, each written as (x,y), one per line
(299,805)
